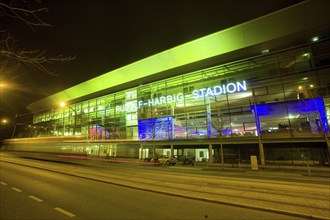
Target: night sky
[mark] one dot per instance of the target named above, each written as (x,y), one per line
(106,34)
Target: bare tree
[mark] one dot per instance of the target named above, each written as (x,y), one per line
(27,12)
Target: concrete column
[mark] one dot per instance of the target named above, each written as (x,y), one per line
(154,152)
(172,134)
(141,154)
(262,155)
(222,156)
(172,150)
(115,150)
(261,146)
(328,145)
(110,151)
(210,154)
(208,116)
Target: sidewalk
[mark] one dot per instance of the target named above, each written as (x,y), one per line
(282,170)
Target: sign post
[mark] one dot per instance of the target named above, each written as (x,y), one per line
(254,162)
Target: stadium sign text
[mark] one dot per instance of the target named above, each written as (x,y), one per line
(179,97)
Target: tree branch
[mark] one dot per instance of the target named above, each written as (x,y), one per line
(28,14)
(24,13)
(35,58)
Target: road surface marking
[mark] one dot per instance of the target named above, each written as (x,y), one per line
(64,212)
(36,198)
(3,183)
(16,189)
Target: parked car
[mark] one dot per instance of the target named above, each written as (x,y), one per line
(148,159)
(189,161)
(167,160)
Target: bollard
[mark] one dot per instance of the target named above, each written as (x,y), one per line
(308,169)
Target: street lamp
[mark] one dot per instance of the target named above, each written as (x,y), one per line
(63,104)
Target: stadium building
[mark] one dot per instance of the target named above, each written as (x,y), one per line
(259,88)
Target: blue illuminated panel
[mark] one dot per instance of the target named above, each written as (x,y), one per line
(323,116)
(307,106)
(155,128)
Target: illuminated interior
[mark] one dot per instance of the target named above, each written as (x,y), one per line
(170,109)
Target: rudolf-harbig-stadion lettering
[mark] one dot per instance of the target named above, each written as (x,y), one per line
(179,97)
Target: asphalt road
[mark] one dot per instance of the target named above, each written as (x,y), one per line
(32,193)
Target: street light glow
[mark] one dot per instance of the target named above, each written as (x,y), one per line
(314,39)
(63,104)
(4,121)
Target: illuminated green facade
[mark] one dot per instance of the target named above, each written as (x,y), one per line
(273,78)
(238,87)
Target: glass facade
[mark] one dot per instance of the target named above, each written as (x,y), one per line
(275,105)
(273,95)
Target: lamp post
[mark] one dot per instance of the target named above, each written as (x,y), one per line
(63,104)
